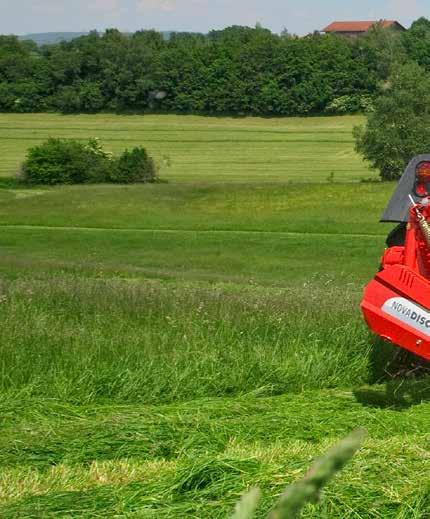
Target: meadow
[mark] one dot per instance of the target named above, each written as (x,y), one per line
(199,149)
(166,347)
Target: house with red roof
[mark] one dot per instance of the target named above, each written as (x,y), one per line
(357,29)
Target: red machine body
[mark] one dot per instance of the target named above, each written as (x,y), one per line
(396,303)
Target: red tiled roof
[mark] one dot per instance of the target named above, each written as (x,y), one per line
(357,26)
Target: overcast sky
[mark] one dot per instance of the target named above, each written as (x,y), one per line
(298,16)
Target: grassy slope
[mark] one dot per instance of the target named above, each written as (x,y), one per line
(160,395)
(226,256)
(270,233)
(308,208)
(202,148)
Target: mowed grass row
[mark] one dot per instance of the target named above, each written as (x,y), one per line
(203,149)
(195,459)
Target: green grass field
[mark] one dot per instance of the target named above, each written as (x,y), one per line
(166,347)
(201,149)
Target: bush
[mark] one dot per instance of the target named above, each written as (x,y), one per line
(133,166)
(399,127)
(67,161)
(61,161)
(350,104)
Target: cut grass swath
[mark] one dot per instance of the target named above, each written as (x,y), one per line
(308,489)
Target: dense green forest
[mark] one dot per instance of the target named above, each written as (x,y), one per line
(238,70)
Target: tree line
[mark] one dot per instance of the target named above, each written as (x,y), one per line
(238,70)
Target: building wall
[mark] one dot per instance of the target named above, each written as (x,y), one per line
(351,34)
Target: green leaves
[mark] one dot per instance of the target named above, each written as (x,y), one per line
(399,127)
(238,70)
(133,166)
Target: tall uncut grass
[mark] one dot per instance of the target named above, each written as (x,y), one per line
(90,340)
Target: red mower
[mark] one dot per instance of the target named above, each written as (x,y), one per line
(396,303)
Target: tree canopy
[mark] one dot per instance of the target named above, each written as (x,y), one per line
(237,70)
(399,127)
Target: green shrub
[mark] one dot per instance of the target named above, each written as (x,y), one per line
(67,161)
(61,161)
(133,166)
(350,104)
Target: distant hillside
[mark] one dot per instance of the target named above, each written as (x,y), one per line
(51,37)
(45,38)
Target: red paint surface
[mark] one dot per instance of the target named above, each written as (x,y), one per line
(405,273)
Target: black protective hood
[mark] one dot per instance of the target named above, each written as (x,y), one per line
(397,209)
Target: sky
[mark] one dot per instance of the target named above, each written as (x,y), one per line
(297,16)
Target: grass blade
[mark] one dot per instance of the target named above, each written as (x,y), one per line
(307,490)
(247,506)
